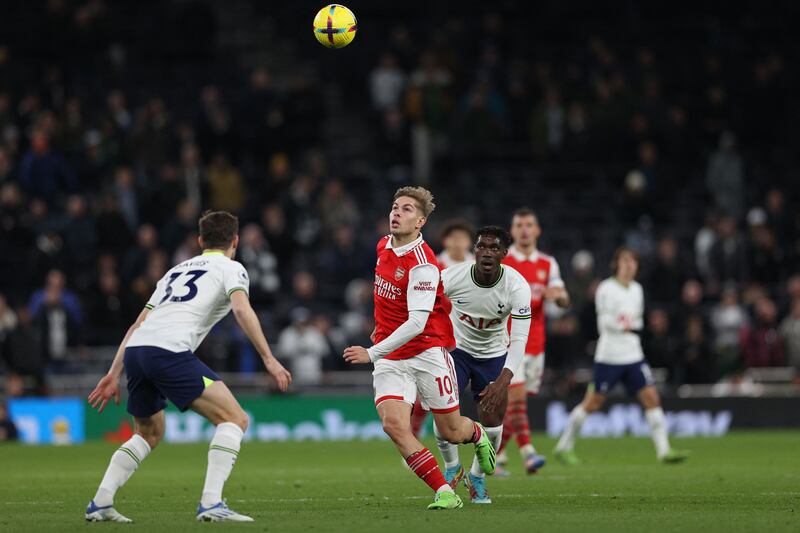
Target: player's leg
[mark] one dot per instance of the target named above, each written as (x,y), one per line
(418,417)
(647,394)
(534,371)
(605,377)
(219,406)
(435,374)
(485,372)
(454,472)
(146,404)
(395,392)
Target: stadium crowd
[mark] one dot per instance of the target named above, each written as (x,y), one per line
(104,171)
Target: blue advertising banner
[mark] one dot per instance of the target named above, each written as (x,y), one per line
(48,420)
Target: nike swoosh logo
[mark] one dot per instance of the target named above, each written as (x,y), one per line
(462,302)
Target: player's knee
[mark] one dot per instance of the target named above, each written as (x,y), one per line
(152,435)
(450,430)
(395,426)
(239,418)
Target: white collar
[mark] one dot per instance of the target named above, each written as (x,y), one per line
(514,252)
(403,250)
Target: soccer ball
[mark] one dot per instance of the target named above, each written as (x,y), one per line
(335,26)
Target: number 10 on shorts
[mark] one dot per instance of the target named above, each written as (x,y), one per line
(445,385)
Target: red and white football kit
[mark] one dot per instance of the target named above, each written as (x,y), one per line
(542,272)
(412,329)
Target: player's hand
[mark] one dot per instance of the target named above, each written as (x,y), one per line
(282,376)
(495,394)
(107,388)
(555,293)
(356,354)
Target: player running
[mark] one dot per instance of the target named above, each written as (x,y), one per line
(619,358)
(457,243)
(542,273)
(412,330)
(157,355)
(484,294)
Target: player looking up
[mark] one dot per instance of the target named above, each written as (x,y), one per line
(619,358)
(412,330)
(484,294)
(157,355)
(542,273)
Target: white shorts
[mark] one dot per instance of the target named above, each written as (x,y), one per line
(530,373)
(432,373)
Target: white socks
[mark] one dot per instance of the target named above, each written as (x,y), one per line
(576,419)
(526,450)
(658,429)
(222,455)
(448,450)
(123,463)
(495,435)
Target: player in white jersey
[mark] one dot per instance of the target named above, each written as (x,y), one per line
(158,359)
(484,295)
(619,358)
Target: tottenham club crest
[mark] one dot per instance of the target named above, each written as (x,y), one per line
(399,273)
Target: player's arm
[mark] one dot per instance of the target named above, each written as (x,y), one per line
(556,290)
(108,386)
(423,281)
(248,320)
(493,394)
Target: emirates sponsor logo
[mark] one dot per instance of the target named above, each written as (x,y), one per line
(385,289)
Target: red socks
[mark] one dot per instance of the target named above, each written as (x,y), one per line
(424,465)
(418,416)
(516,424)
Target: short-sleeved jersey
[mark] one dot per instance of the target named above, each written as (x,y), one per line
(619,306)
(391,294)
(541,272)
(189,300)
(480,313)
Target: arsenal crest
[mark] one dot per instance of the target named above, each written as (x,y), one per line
(399,273)
(541,274)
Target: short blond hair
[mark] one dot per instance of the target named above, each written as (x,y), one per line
(421,195)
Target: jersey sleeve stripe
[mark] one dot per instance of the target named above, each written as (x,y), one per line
(521,317)
(149,306)
(236,289)
(421,259)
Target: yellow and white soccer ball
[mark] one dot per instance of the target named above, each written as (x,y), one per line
(335,26)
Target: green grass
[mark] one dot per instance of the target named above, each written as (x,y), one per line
(741,482)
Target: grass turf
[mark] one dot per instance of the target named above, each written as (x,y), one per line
(741,482)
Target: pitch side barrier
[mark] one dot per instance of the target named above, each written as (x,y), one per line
(70,420)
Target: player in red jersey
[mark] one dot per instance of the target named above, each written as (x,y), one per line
(543,274)
(412,330)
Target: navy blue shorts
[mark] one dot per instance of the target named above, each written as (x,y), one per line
(634,376)
(477,373)
(155,374)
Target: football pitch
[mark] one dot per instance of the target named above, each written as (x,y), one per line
(741,482)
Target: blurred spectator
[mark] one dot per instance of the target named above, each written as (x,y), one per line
(304,346)
(342,260)
(764,256)
(660,345)
(43,172)
(126,195)
(190,247)
(8,431)
(226,186)
(80,240)
(386,82)
(193,174)
(112,230)
(279,237)
(336,207)
(108,311)
(697,365)
(456,243)
(181,224)
(59,319)
(8,324)
(580,278)
(668,274)
(761,343)
(261,265)
(725,177)
(727,257)
(790,332)
(136,259)
(728,318)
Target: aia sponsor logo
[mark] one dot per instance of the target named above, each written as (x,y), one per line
(480,323)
